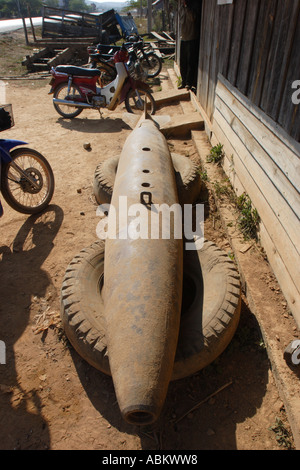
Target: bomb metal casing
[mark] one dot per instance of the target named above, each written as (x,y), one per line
(143,281)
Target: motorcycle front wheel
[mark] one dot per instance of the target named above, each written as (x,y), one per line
(153,64)
(30,190)
(135,101)
(61,93)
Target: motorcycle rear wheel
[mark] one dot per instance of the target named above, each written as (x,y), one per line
(135,101)
(108,73)
(17,190)
(61,92)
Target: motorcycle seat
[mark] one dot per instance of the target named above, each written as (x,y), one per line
(101,57)
(136,44)
(82,71)
(107,49)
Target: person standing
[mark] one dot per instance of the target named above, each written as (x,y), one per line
(189,43)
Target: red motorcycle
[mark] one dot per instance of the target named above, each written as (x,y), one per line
(76,88)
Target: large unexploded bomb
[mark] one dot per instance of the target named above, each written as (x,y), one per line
(143,281)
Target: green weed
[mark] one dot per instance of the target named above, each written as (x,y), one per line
(222,189)
(216,155)
(249,219)
(203,174)
(282,434)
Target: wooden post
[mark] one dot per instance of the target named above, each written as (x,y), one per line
(30,19)
(24,24)
(149,14)
(166,10)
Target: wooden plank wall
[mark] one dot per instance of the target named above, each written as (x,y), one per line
(255,45)
(261,162)
(249,59)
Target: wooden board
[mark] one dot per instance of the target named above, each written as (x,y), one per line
(282,150)
(263,39)
(162,97)
(169,125)
(236,39)
(182,125)
(254,44)
(247,45)
(268,169)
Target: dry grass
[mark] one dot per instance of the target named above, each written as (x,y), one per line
(13,50)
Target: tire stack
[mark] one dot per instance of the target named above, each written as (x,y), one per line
(211,288)
(186,174)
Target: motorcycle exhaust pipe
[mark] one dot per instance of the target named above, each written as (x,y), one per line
(75,104)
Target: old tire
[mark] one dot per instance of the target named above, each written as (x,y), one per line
(187,177)
(104,180)
(210,308)
(208,322)
(82,306)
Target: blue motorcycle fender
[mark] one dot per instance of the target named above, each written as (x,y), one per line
(6,145)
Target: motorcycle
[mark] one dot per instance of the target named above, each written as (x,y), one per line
(147,60)
(102,58)
(76,87)
(27,180)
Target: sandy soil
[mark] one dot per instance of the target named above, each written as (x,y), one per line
(50,398)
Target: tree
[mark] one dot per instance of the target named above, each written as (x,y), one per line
(75,5)
(10,8)
(136,4)
(51,3)
(79,5)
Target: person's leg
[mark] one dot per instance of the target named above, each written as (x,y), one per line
(192,64)
(183,63)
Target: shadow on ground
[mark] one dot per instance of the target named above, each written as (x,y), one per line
(244,365)
(21,278)
(96,126)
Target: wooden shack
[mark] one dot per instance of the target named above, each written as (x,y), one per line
(249,93)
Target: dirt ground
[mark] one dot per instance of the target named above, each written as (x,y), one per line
(50,398)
